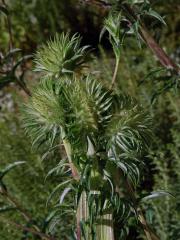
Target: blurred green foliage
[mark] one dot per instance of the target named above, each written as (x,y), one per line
(26,183)
(33,21)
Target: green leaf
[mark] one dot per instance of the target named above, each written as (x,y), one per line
(20,61)
(84,230)
(9,168)
(4,81)
(156,15)
(64,193)
(102,33)
(149,215)
(59,186)
(60,169)
(157,194)
(112,26)
(11,53)
(135,27)
(91,149)
(7,209)
(152,73)
(49,218)
(4,10)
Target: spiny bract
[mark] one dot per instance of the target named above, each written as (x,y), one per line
(61,55)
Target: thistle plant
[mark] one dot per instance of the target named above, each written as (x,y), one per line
(61,55)
(105,135)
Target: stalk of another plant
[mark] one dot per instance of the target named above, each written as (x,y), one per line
(68,150)
(115,73)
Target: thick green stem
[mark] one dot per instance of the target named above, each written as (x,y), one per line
(23,212)
(104,230)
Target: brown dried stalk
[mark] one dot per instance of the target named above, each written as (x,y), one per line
(131,15)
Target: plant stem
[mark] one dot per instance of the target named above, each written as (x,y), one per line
(12,200)
(131,15)
(148,232)
(163,58)
(150,235)
(75,175)
(9,27)
(82,213)
(115,73)
(31,230)
(104,229)
(68,150)
(24,87)
(23,212)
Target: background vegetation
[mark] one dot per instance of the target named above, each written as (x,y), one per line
(33,22)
